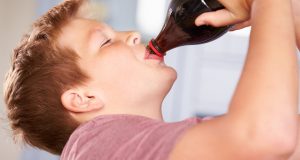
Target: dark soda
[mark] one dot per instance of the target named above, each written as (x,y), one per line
(180,29)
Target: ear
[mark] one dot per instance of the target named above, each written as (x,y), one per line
(80,101)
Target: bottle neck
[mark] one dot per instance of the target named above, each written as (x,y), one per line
(155,49)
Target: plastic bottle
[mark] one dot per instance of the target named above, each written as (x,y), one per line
(180,29)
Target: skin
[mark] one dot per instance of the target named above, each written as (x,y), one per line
(230,16)
(122,80)
(266,97)
(296,12)
(245,134)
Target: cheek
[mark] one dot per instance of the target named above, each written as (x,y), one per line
(114,70)
(121,60)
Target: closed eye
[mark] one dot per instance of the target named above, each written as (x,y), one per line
(106,42)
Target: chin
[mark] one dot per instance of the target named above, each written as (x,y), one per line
(162,83)
(173,77)
(170,75)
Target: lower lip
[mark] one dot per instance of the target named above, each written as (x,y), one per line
(148,55)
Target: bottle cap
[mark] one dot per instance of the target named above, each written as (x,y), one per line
(153,46)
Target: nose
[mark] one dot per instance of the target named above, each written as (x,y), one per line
(132,38)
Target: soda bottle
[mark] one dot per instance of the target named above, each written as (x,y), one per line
(180,29)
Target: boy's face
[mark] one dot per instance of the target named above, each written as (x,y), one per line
(115,61)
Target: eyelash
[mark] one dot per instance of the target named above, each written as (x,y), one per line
(106,42)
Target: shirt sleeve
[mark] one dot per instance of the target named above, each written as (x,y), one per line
(128,139)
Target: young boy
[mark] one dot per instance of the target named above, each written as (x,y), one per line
(71,70)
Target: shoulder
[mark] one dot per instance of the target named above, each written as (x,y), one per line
(133,137)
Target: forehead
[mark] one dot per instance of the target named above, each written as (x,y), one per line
(78,27)
(76,33)
(81,23)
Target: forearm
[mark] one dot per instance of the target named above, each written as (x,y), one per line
(265,100)
(296,10)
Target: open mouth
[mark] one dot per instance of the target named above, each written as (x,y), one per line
(148,55)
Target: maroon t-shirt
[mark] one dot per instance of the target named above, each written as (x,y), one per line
(125,137)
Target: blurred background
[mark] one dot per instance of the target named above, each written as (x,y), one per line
(207,74)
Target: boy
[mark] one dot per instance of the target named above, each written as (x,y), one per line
(72,71)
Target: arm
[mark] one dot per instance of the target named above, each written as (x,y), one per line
(296,12)
(266,96)
(265,100)
(296,154)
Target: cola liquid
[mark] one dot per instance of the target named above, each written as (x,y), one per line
(180,29)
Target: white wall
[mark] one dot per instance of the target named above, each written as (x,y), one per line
(15,18)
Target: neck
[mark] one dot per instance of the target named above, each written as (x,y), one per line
(148,105)
(148,108)
(152,111)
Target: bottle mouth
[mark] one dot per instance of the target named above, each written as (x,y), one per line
(150,55)
(154,50)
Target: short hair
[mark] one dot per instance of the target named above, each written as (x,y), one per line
(40,72)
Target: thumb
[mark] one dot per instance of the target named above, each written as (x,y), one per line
(217,18)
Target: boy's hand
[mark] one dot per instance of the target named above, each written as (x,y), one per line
(296,13)
(236,11)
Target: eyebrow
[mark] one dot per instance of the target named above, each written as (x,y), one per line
(90,34)
(91,37)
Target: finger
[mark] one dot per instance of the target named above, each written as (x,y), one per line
(217,18)
(241,25)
